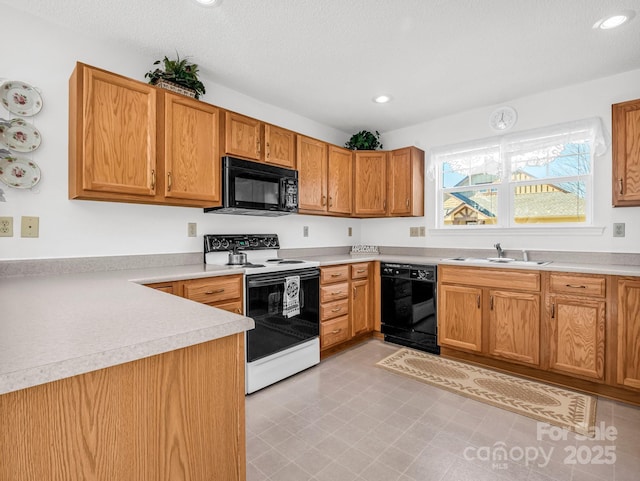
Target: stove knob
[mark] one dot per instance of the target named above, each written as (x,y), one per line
(225,243)
(215,244)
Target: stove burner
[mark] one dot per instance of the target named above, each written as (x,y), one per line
(248,265)
(285,261)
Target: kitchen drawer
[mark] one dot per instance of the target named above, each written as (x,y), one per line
(329,310)
(329,275)
(213,289)
(233,306)
(578,285)
(334,292)
(168,287)
(486,277)
(360,271)
(334,331)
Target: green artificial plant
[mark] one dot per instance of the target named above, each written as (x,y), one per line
(364,140)
(178,71)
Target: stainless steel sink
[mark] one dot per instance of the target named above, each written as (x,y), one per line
(498,260)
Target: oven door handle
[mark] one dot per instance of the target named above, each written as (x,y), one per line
(279,279)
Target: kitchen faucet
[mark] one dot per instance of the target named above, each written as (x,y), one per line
(499,249)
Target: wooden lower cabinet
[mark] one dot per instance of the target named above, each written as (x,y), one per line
(628,355)
(223,292)
(346,303)
(166,417)
(460,317)
(514,326)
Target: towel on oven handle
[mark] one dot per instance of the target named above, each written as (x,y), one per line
(291,300)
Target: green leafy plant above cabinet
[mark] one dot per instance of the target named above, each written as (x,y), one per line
(178,71)
(364,140)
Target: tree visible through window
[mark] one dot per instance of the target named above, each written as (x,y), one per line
(544,176)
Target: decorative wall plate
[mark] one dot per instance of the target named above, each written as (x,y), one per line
(19,135)
(19,172)
(20,98)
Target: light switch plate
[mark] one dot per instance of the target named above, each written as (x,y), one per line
(192,229)
(30,226)
(618,229)
(6,226)
(305,231)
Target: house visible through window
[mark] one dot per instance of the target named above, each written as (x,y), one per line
(542,176)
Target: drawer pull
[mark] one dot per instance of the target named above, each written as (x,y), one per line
(337,309)
(336,275)
(217,291)
(336,331)
(337,293)
(361,271)
(576,286)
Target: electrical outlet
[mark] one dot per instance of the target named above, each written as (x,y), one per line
(6,226)
(618,229)
(423,231)
(305,231)
(30,226)
(192,229)
(349,231)
(414,231)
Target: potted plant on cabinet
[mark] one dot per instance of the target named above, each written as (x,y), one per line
(178,76)
(364,140)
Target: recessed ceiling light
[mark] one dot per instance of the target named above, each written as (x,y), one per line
(613,21)
(209,3)
(382,99)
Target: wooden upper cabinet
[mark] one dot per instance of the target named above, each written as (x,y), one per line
(112,136)
(242,136)
(340,179)
(370,183)
(192,159)
(406,182)
(312,175)
(133,142)
(280,146)
(625,118)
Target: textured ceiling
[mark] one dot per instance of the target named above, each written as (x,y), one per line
(327,59)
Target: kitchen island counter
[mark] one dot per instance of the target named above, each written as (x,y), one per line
(57,326)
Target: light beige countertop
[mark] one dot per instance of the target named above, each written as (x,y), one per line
(610,269)
(57,326)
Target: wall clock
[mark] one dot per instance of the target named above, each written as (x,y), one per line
(503,118)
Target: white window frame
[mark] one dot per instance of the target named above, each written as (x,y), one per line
(583,131)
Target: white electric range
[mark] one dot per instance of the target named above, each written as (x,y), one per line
(282,297)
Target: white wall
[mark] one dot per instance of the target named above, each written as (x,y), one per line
(590,99)
(45,58)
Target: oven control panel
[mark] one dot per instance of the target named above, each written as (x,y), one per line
(409,271)
(240,242)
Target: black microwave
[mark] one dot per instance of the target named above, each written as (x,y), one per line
(253,188)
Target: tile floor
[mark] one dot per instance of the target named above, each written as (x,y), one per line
(348,420)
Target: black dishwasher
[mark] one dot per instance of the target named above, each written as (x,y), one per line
(409,310)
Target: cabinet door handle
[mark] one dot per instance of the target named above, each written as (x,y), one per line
(491,303)
(620,185)
(324,200)
(169,182)
(407,203)
(336,331)
(384,205)
(238,310)
(478,300)
(217,291)
(553,310)
(355,289)
(153,179)
(575,286)
(258,147)
(268,150)
(330,201)
(337,309)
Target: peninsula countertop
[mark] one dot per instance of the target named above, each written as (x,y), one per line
(57,326)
